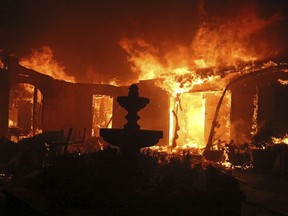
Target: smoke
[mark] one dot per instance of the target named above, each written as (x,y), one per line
(85,35)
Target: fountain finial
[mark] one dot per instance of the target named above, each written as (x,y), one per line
(133,91)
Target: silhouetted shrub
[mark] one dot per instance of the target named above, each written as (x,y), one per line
(105,183)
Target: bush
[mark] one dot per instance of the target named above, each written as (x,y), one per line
(105,183)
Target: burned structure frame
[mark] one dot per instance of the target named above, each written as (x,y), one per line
(69,105)
(65,105)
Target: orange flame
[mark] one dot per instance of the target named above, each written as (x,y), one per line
(1,64)
(43,61)
(283,139)
(226,43)
(217,43)
(283,82)
(143,58)
(12,123)
(255,113)
(178,68)
(174,76)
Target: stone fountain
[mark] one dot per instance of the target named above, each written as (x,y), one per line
(131,138)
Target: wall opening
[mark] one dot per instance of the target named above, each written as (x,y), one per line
(191,117)
(102,113)
(25,111)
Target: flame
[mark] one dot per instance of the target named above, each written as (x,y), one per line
(97,78)
(43,61)
(255,113)
(102,113)
(228,42)
(283,82)
(112,82)
(143,58)
(284,139)
(2,66)
(225,116)
(175,76)
(188,121)
(216,43)
(29,89)
(12,123)
(179,68)
(269,64)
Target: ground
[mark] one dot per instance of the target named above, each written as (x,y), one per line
(266,193)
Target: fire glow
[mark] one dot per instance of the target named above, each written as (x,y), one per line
(181,70)
(283,140)
(178,71)
(43,61)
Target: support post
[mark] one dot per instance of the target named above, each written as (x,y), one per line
(4,101)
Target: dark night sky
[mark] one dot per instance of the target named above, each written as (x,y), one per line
(85,34)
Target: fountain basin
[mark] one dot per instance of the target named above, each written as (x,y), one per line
(134,139)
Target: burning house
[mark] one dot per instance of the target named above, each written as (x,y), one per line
(210,110)
(203,76)
(221,80)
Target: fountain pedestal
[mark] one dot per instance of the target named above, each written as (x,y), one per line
(131,138)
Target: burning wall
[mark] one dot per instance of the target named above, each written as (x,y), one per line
(254,97)
(240,115)
(258,100)
(64,104)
